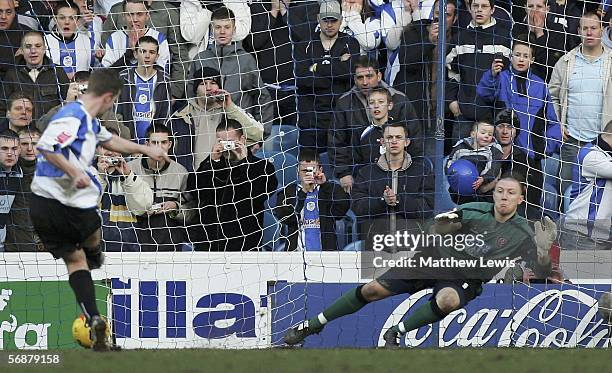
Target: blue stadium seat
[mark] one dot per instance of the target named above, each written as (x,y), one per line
(283,138)
(354,246)
(566,198)
(285,165)
(271,232)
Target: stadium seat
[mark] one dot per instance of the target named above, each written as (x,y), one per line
(354,246)
(567,198)
(271,232)
(285,165)
(550,167)
(283,138)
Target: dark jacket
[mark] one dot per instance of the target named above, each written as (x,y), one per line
(415,191)
(230,199)
(549,47)
(10,41)
(352,117)
(471,54)
(318,90)
(49,90)
(20,233)
(333,205)
(528,96)
(161,96)
(269,43)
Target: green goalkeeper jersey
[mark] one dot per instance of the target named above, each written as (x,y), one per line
(511,239)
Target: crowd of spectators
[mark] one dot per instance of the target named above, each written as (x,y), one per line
(209,81)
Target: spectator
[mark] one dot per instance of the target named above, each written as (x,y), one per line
(549,39)
(158,229)
(482,151)
(20,234)
(125,196)
(397,186)
(417,73)
(589,217)
(35,75)
(352,117)
(519,89)
(12,30)
(10,182)
(310,209)
(40,14)
(239,73)
(146,92)
(578,89)
(515,161)
(92,24)
(77,87)
(163,17)
(19,111)
(196,18)
(121,45)
(360,22)
(271,46)
(607,34)
(229,189)
(567,13)
(502,16)
(323,68)
(194,126)
(466,65)
(68,47)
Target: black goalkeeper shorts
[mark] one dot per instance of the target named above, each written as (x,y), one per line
(467,289)
(62,229)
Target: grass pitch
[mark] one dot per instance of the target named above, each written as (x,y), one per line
(343,361)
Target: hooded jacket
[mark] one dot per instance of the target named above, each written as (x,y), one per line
(240,77)
(161,96)
(352,117)
(193,130)
(528,96)
(49,90)
(413,184)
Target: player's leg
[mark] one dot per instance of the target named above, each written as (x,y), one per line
(448,296)
(79,277)
(350,302)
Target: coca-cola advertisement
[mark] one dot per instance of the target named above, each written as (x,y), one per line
(520,315)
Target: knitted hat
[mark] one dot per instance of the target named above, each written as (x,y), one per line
(206,73)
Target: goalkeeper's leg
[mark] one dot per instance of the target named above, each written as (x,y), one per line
(448,296)
(350,302)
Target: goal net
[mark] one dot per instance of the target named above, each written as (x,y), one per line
(280,118)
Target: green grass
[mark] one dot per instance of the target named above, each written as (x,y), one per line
(343,361)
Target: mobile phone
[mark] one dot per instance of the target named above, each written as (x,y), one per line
(82,88)
(228,145)
(435,20)
(499,56)
(90,5)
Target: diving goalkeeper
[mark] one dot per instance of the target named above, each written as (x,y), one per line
(505,235)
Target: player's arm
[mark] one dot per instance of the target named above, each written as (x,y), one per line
(117,144)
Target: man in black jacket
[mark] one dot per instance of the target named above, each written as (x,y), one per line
(230,188)
(397,187)
(310,209)
(323,73)
(352,117)
(35,75)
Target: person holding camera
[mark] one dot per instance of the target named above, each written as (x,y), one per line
(309,209)
(229,189)
(78,86)
(194,126)
(125,197)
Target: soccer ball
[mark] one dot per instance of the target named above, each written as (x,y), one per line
(605,307)
(81,331)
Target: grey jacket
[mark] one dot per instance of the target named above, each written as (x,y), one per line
(240,77)
(559,85)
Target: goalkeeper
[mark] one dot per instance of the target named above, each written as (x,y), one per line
(505,235)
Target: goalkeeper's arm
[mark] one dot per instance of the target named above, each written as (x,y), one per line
(447,222)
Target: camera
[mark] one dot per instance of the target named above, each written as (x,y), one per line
(113,161)
(218,97)
(310,171)
(157,206)
(228,145)
(82,88)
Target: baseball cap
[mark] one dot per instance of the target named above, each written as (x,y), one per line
(330,9)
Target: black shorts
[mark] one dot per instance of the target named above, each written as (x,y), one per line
(62,229)
(467,289)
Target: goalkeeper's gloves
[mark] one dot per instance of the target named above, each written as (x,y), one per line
(448,222)
(545,235)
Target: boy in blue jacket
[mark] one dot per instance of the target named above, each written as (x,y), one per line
(527,94)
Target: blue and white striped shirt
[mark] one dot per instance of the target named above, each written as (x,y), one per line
(118,43)
(75,134)
(73,55)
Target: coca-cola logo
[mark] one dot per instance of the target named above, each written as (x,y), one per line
(551,318)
